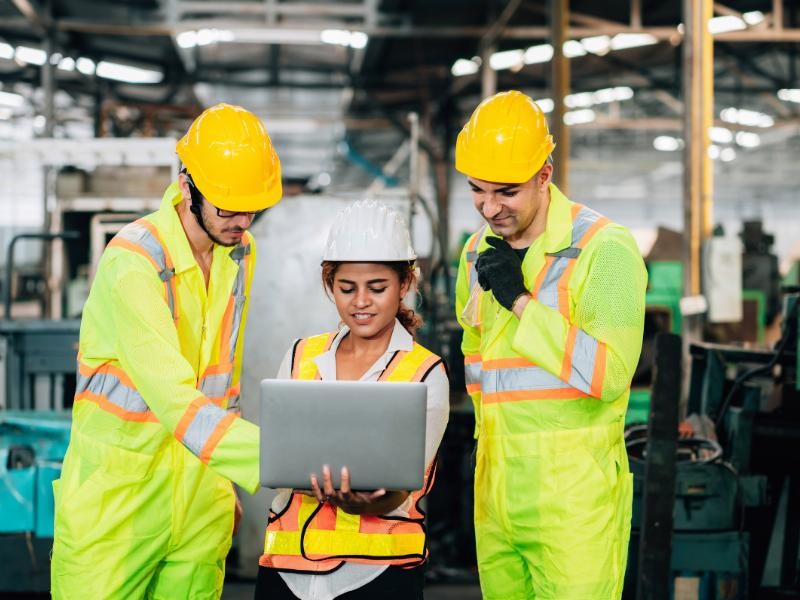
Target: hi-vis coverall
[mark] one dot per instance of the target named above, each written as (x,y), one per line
(552,485)
(145,506)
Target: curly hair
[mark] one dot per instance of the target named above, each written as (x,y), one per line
(406,273)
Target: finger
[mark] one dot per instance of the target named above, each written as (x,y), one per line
(345,487)
(499,243)
(318,494)
(327,481)
(377,494)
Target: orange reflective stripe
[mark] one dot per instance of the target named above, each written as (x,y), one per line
(188,416)
(102,402)
(537,285)
(566,364)
(396,360)
(473,388)
(472,358)
(123,243)
(425,367)
(216,436)
(567,393)
(507,363)
(599,371)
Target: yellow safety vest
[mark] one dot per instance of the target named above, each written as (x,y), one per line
(311,537)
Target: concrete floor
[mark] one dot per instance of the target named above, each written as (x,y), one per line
(244,591)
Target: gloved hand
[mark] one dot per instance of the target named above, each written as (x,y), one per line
(500,270)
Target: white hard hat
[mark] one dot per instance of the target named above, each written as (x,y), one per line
(369,231)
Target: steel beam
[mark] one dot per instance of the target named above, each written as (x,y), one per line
(560,70)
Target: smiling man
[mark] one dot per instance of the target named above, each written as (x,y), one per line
(145,506)
(551,298)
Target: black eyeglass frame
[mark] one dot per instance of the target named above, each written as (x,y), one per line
(197,197)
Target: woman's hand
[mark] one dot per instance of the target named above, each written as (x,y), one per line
(350,501)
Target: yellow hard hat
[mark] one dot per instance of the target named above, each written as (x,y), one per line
(505,141)
(231,159)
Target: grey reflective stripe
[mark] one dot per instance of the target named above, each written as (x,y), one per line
(472,372)
(520,379)
(238,308)
(583,358)
(138,234)
(585,218)
(548,293)
(202,426)
(116,392)
(566,253)
(472,256)
(215,386)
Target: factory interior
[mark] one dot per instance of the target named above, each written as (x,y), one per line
(677,120)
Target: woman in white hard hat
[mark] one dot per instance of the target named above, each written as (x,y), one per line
(330,543)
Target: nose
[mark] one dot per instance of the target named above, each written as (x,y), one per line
(243,220)
(491,207)
(362,298)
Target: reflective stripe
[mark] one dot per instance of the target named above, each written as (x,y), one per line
(521,379)
(215,386)
(583,359)
(548,292)
(202,425)
(472,373)
(110,387)
(142,236)
(472,256)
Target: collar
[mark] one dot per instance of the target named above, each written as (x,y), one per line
(558,234)
(172,234)
(401,340)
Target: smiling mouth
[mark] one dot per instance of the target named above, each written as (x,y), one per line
(362,316)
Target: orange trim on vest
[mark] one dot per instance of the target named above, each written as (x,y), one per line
(599,370)
(516,362)
(123,243)
(188,416)
(425,367)
(103,402)
(569,347)
(216,436)
(520,395)
(472,358)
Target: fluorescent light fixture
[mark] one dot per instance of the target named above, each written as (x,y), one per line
(344,37)
(538,54)
(6,51)
(546,104)
(507,59)
(713,152)
(667,143)
(602,96)
(727,154)
(464,67)
(66,64)
(11,99)
(39,121)
(599,44)
(750,118)
(720,135)
(753,18)
(748,139)
(31,56)
(127,74)
(85,65)
(621,41)
(789,95)
(5,114)
(580,100)
(577,117)
(573,48)
(725,23)
(203,37)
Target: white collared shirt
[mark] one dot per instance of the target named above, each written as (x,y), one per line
(352,576)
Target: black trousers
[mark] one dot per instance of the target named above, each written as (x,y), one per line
(394,583)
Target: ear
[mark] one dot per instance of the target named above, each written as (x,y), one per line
(183,186)
(405,285)
(545,176)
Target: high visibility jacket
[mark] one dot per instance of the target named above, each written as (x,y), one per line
(160,355)
(550,389)
(314,537)
(578,340)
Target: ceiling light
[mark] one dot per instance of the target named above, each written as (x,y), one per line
(577,117)
(727,154)
(713,152)
(720,135)
(6,51)
(581,100)
(344,37)
(31,56)
(506,59)
(753,18)
(10,99)
(546,104)
(621,41)
(538,54)
(5,114)
(85,65)
(573,48)
(464,67)
(667,143)
(742,116)
(127,74)
(66,64)
(725,23)
(789,95)
(599,44)
(748,139)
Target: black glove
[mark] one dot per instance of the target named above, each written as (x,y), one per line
(500,270)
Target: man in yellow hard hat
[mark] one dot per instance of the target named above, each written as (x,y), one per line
(551,298)
(145,505)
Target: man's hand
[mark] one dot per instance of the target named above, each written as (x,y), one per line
(500,270)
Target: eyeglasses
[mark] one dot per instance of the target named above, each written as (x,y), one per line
(198,197)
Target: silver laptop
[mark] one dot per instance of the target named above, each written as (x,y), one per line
(375,429)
